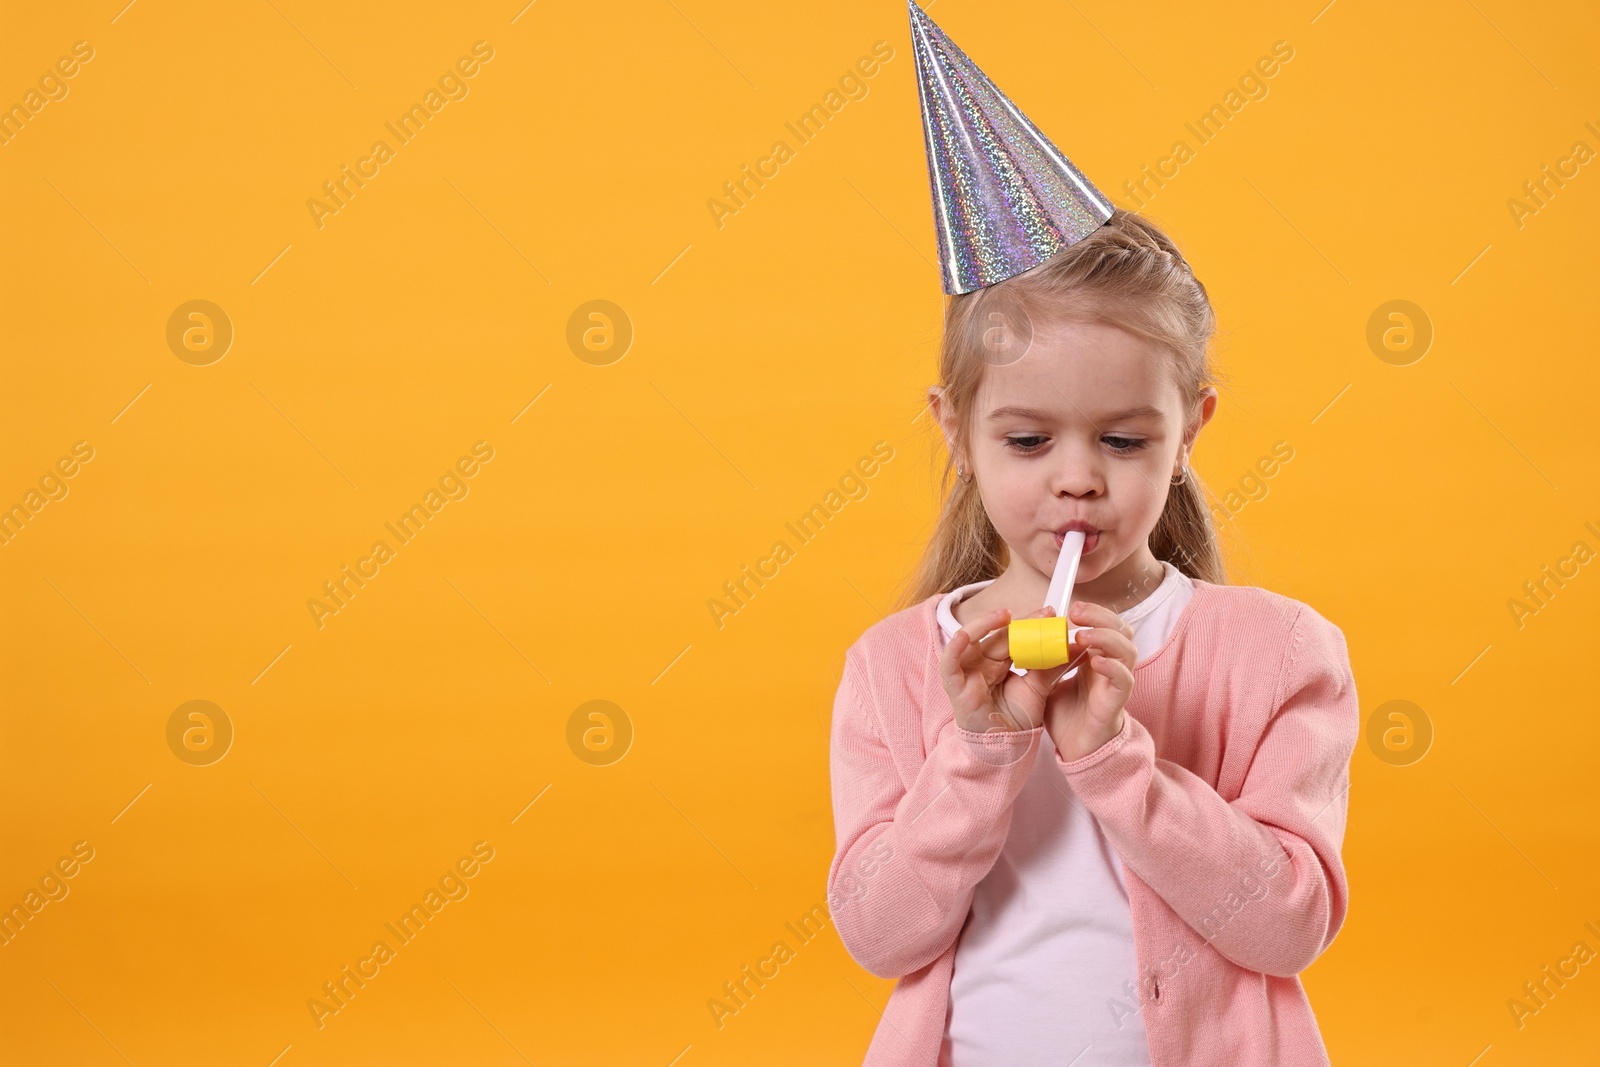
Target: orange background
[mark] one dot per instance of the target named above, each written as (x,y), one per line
(767,357)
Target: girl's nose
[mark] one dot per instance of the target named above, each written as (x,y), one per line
(1075,474)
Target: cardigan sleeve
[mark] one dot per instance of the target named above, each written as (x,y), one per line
(907,857)
(1260,877)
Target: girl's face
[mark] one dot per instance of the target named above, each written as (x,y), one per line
(1086,427)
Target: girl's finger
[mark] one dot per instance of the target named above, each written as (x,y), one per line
(986,628)
(1115,671)
(985,624)
(1106,642)
(960,659)
(950,665)
(1098,615)
(995,644)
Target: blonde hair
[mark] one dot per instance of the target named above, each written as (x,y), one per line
(1129,274)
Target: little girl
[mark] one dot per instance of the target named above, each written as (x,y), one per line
(1127,859)
(1128,863)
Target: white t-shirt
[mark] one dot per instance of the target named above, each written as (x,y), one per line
(1045,969)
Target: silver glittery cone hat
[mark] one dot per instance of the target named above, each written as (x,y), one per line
(1004,198)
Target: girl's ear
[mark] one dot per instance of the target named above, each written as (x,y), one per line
(1208,408)
(943,417)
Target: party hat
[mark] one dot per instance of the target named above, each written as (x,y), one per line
(1004,198)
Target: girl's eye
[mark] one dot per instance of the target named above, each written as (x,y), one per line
(1034,442)
(1017,444)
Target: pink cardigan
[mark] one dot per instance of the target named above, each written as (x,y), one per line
(1224,794)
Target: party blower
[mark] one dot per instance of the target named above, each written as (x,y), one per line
(1040,643)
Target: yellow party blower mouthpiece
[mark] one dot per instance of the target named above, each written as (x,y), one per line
(1040,643)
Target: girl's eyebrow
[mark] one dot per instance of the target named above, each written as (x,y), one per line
(1143,411)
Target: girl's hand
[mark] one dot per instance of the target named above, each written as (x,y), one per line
(1086,710)
(976,671)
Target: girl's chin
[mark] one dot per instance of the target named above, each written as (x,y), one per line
(1088,569)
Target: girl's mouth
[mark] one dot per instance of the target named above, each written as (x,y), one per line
(1089,541)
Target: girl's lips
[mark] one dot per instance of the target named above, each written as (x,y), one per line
(1089,541)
